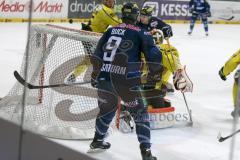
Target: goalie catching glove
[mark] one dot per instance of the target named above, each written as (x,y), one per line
(181,81)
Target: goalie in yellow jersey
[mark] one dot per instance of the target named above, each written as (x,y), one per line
(171,65)
(229,67)
(103,17)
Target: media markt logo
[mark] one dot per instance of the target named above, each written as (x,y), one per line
(42,6)
(155,7)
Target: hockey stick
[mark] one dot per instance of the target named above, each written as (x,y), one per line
(189,110)
(184,97)
(227,19)
(221,139)
(31,86)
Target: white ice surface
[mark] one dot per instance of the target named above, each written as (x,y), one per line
(211,100)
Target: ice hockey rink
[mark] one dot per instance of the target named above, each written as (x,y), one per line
(211,100)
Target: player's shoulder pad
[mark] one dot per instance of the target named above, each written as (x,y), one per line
(155,19)
(129,26)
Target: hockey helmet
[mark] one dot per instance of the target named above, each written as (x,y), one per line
(130,11)
(157,36)
(109,3)
(146,11)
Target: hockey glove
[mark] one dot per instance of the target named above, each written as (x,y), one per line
(155,73)
(222,76)
(181,81)
(208,14)
(167,31)
(191,9)
(94,83)
(152,79)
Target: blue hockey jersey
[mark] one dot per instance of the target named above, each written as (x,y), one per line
(126,39)
(154,23)
(199,6)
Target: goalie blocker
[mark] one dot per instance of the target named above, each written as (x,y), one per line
(160,111)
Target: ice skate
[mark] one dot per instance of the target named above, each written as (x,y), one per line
(147,155)
(98,146)
(189,33)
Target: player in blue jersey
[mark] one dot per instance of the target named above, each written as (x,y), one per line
(117,72)
(199,9)
(150,22)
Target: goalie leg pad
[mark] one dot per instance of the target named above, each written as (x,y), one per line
(161,117)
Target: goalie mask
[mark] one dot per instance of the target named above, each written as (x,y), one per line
(157,36)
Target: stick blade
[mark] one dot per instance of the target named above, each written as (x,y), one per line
(21,80)
(220,138)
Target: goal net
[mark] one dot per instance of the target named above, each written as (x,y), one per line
(61,112)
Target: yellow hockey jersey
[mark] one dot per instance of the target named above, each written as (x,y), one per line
(170,57)
(232,63)
(230,66)
(170,62)
(102,18)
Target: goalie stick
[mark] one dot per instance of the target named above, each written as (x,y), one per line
(31,86)
(190,123)
(221,139)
